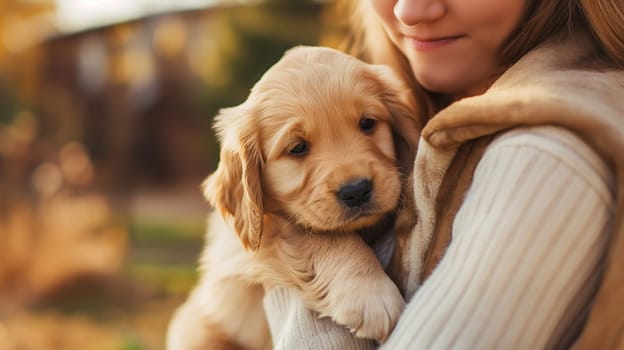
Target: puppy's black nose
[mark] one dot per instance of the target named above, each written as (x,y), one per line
(355,193)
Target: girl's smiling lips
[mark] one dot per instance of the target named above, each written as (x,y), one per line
(426,44)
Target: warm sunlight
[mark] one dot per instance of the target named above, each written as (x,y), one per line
(76,15)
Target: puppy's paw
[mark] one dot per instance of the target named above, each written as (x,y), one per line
(370,308)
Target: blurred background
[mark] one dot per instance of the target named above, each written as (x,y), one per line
(105,136)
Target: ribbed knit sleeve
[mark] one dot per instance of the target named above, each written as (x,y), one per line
(527,243)
(294,327)
(527,246)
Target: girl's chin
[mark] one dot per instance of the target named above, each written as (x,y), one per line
(449,87)
(439,87)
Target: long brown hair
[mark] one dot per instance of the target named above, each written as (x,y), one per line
(603,19)
(606,20)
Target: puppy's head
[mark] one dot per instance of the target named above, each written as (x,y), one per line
(324,140)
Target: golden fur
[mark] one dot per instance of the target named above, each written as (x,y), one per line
(316,122)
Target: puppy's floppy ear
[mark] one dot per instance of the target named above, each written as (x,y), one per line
(405,112)
(234,189)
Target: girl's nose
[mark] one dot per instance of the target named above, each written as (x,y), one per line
(412,12)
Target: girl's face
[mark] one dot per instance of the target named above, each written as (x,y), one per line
(452,45)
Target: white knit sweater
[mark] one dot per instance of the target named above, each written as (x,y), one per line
(527,242)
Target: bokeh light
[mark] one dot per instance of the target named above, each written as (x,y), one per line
(106,111)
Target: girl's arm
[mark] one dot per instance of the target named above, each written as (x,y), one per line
(527,247)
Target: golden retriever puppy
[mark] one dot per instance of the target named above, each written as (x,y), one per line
(317,156)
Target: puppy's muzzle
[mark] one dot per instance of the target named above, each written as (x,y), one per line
(356,193)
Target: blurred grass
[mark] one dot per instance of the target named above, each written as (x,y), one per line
(164,254)
(166,231)
(163,259)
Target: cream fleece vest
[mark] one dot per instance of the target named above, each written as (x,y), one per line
(559,83)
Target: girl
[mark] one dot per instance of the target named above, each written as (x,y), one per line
(524,117)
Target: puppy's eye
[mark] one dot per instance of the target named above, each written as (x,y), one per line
(300,149)
(367,124)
